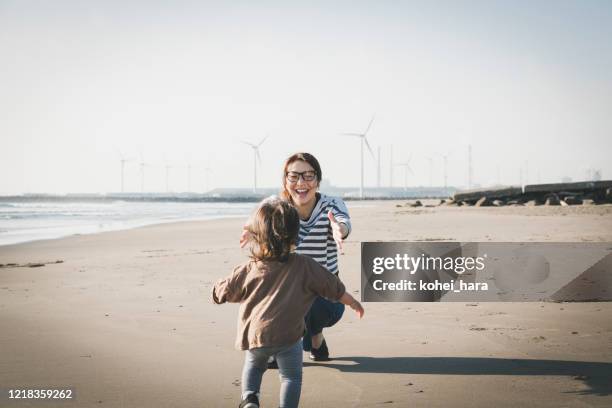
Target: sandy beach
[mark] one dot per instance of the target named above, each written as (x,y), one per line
(125,320)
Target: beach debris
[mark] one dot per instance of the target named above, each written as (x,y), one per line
(30,264)
(574,332)
(416,203)
(478,328)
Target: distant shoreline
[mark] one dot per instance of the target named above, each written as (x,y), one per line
(177,199)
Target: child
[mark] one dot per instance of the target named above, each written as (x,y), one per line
(275,289)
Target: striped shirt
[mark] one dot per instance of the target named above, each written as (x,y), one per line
(315,237)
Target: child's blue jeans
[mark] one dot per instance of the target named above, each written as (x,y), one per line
(289,360)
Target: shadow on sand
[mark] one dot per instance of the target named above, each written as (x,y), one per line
(597,376)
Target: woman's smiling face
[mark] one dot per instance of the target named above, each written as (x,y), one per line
(302,192)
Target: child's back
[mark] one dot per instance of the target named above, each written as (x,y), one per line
(275,297)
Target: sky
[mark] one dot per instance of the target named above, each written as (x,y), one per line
(172,84)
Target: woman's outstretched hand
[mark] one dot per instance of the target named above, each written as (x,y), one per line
(245,237)
(339,230)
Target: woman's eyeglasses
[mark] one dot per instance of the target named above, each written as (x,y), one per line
(294,176)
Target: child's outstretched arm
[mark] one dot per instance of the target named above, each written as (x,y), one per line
(230,289)
(353,303)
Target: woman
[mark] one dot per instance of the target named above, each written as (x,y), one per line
(324,224)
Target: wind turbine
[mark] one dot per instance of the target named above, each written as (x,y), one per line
(123,160)
(445,157)
(363,139)
(430,160)
(470,173)
(206,170)
(189,167)
(391,167)
(378,168)
(256,157)
(168,167)
(142,165)
(406,166)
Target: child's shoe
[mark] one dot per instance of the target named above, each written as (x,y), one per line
(251,401)
(320,354)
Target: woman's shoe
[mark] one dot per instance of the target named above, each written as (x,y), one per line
(320,354)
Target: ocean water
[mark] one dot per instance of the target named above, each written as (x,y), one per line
(30,221)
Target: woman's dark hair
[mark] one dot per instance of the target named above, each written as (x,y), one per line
(305,157)
(274,230)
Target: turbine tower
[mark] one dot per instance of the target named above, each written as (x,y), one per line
(430,160)
(142,165)
(470,169)
(391,166)
(188,176)
(168,167)
(445,157)
(206,170)
(256,157)
(363,139)
(123,160)
(378,169)
(406,166)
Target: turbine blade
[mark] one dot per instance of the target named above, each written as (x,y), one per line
(250,144)
(258,156)
(365,139)
(369,125)
(263,140)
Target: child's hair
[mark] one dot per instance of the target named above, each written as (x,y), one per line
(274,230)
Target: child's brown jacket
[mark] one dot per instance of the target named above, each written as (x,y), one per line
(275,297)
